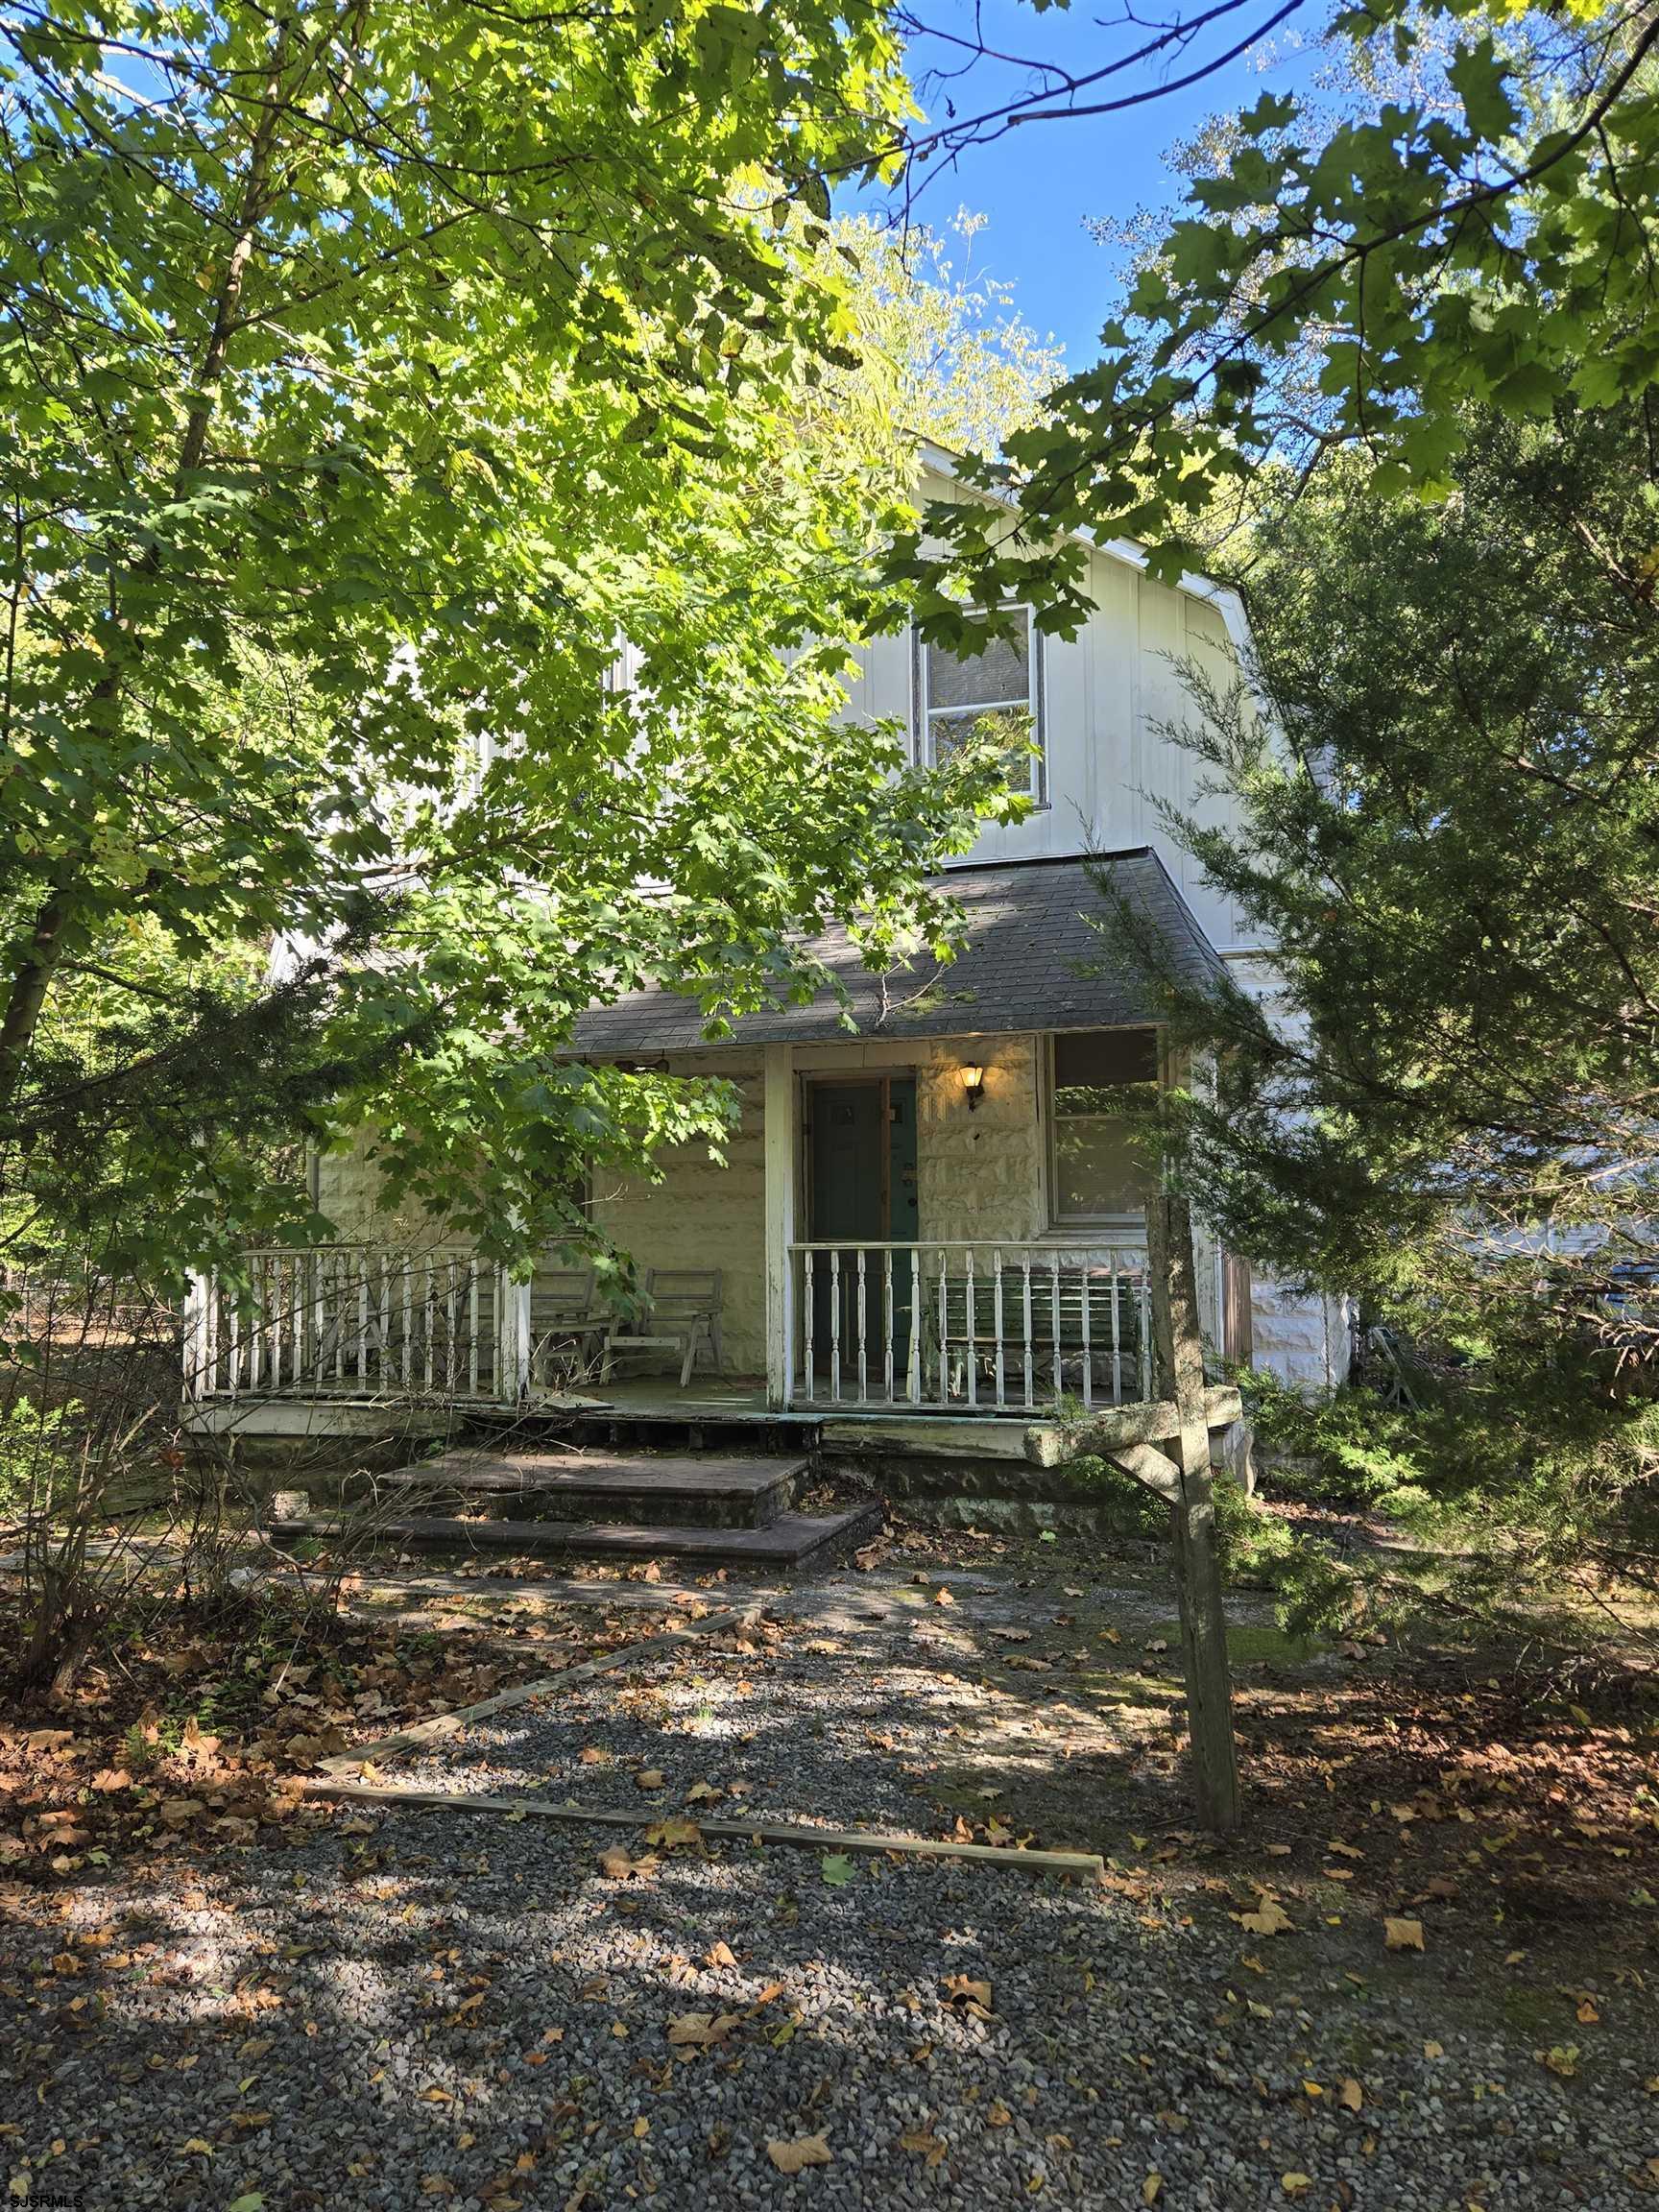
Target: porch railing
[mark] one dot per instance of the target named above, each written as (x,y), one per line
(356,1320)
(990,1327)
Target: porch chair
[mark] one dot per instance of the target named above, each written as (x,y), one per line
(564,1323)
(683,1314)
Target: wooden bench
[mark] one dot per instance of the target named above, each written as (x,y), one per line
(683,1315)
(1065,1325)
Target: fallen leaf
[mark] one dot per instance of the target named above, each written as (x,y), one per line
(719,1954)
(837,1868)
(1295,2185)
(790,2154)
(1561,2058)
(999,2116)
(674,1835)
(1270,1919)
(701,2030)
(1152,2188)
(1400,1935)
(1349,2094)
(941,1596)
(650,1778)
(974,1996)
(618,1867)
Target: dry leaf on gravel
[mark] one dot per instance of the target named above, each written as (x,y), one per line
(1152,2188)
(795,2152)
(972,1996)
(1349,2094)
(924,2143)
(1400,1935)
(650,1778)
(719,1954)
(618,1867)
(1269,1918)
(701,2030)
(673,1835)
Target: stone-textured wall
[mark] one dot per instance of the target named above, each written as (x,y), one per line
(350,1194)
(1299,1336)
(701,1215)
(979,1174)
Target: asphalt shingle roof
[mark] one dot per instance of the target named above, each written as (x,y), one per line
(1028,940)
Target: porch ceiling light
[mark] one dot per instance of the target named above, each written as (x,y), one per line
(973,1083)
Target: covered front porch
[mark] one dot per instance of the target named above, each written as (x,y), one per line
(931,1206)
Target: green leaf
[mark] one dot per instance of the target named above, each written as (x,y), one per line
(837,1868)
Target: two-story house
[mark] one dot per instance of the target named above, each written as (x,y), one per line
(941,1211)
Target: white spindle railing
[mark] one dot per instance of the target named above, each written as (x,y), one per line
(357,1320)
(987,1326)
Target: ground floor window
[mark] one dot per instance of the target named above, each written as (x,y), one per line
(1101,1083)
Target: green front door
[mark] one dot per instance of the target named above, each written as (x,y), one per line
(861,1192)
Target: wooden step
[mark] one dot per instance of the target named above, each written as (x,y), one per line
(785,1542)
(605,1485)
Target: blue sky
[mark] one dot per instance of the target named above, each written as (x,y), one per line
(1039,184)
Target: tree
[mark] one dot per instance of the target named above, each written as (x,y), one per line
(1450,837)
(371,373)
(1483,241)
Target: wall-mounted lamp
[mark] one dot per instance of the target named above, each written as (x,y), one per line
(973,1083)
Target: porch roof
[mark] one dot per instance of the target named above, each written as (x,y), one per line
(1021,967)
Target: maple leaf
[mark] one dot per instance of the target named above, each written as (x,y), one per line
(673,1835)
(793,2153)
(650,1778)
(1270,1919)
(719,1954)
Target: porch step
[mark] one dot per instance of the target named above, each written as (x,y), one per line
(649,1488)
(789,1540)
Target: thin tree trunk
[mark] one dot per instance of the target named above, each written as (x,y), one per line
(1198,1567)
(31,980)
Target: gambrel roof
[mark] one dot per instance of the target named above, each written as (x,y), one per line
(1024,965)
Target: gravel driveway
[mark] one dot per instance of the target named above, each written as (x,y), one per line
(406,2008)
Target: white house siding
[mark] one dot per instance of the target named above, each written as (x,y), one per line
(701,1215)
(1107,693)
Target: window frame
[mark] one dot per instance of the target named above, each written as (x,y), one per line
(923,716)
(1070,1224)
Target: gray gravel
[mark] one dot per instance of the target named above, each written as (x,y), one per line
(412,2009)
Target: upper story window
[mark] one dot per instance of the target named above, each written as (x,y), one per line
(1102,1080)
(954,691)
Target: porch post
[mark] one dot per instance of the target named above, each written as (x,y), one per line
(512,1310)
(196,1344)
(777,1114)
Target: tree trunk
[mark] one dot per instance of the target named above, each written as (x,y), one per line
(1197,1568)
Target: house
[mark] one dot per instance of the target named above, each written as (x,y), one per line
(939,1211)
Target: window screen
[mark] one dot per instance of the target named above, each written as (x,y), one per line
(1103,1079)
(957,692)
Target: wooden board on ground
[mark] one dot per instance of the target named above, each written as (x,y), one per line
(444,1725)
(1006,1857)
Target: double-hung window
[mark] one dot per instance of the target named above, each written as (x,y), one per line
(1103,1082)
(956,691)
